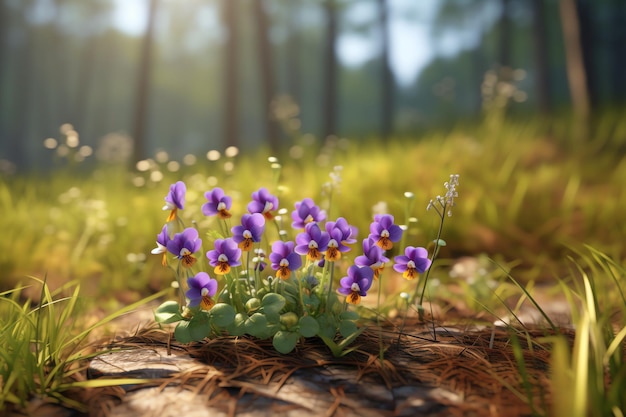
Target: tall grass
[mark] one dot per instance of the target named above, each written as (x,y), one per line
(593,373)
(43,353)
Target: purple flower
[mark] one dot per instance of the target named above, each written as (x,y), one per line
(225,255)
(217,203)
(183,245)
(284,259)
(413,262)
(162,239)
(250,230)
(348,232)
(340,233)
(175,199)
(356,284)
(384,232)
(373,256)
(201,288)
(312,242)
(263,202)
(306,212)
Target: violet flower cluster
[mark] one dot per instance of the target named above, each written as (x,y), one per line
(318,245)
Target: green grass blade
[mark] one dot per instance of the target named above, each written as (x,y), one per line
(530,297)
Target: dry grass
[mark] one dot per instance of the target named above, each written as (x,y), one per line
(455,371)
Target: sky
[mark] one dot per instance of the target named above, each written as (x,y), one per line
(412,43)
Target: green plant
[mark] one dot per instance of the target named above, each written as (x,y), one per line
(593,371)
(299,300)
(42,347)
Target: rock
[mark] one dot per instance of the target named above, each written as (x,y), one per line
(152,362)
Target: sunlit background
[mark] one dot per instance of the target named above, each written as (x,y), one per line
(191,76)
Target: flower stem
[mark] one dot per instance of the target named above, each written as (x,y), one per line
(330,283)
(381,352)
(433,256)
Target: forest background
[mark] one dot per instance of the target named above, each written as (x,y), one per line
(192,76)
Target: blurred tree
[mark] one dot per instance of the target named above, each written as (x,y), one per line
(293,49)
(143,85)
(575,65)
(19,85)
(266,72)
(616,52)
(4,52)
(505,40)
(387,105)
(460,17)
(540,49)
(587,35)
(329,100)
(231,66)
(94,18)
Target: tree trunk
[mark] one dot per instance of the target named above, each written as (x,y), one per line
(588,47)
(540,49)
(143,86)
(4,53)
(576,75)
(267,74)
(329,109)
(231,90)
(616,52)
(387,81)
(293,51)
(504,32)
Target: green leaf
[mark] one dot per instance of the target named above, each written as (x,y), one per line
(308,326)
(273,302)
(285,341)
(238,326)
(349,315)
(311,302)
(341,349)
(168,312)
(258,326)
(199,329)
(272,317)
(327,326)
(222,315)
(440,242)
(347,328)
(181,332)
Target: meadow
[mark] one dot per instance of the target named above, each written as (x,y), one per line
(541,215)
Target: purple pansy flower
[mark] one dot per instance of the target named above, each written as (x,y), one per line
(306,212)
(284,259)
(348,232)
(201,288)
(355,285)
(175,199)
(225,255)
(263,202)
(250,230)
(373,256)
(312,242)
(384,232)
(183,245)
(413,262)
(162,239)
(340,233)
(217,203)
